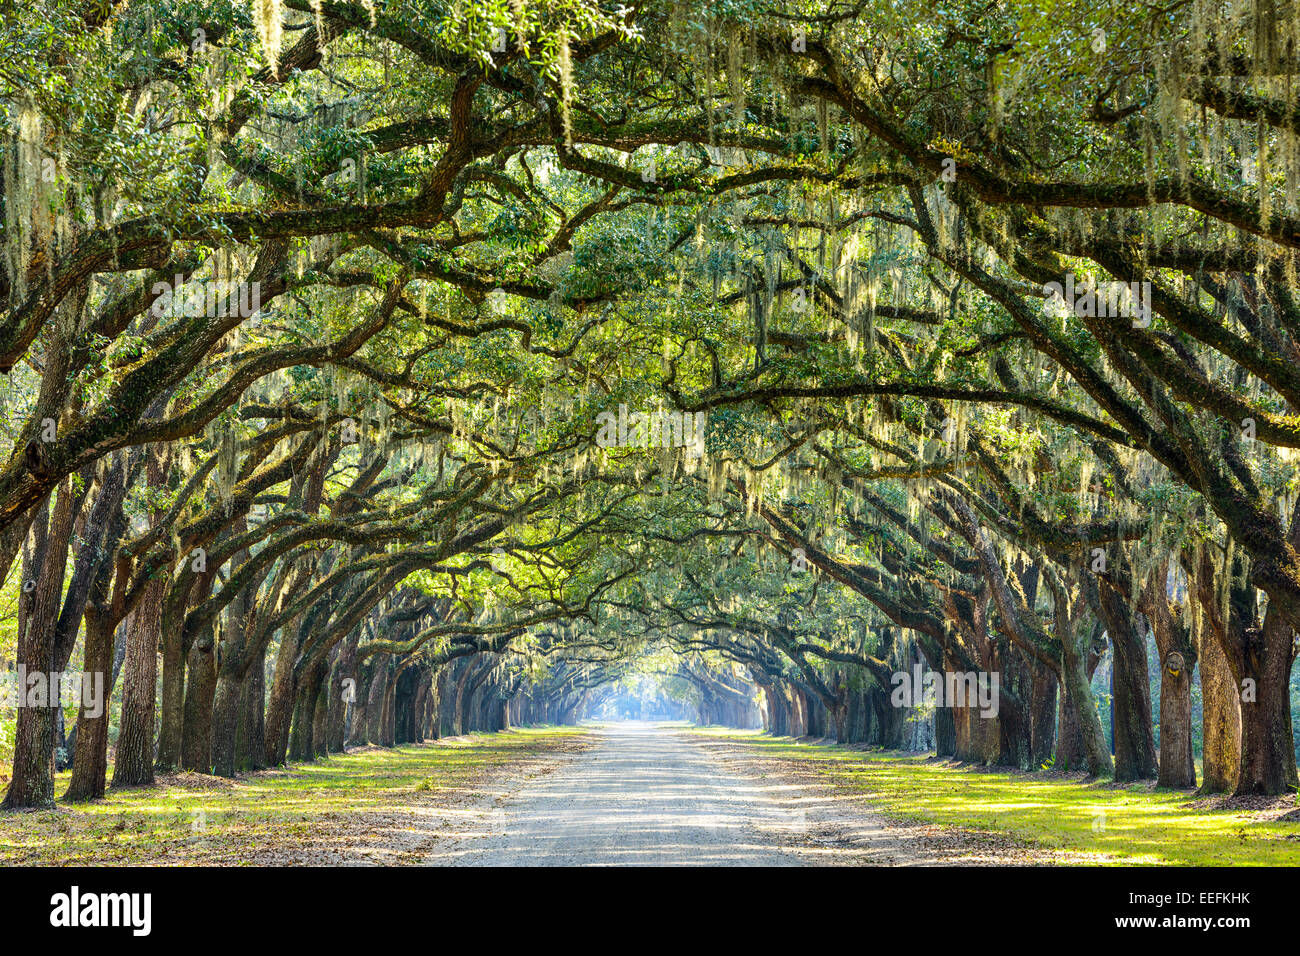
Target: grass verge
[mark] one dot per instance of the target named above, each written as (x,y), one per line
(371,805)
(1090,822)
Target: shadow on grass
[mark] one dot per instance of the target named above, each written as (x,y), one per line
(1107,822)
(332,805)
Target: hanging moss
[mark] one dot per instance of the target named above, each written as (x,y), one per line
(267,15)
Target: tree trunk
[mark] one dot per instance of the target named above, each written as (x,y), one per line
(1220,719)
(301,745)
(32,784)
(279,712)
(1177,658)
(945,732)
(345,668)
(231,669)
(134,763)
(225,725)
(1081,739)
(1135,746)
(320,719)
(250,727)
(1267,765)
(90,753)
(1220,703)
(200,687)
(1042,716)
(374,725)
(172,699)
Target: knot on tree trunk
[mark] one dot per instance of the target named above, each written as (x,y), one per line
(36,456)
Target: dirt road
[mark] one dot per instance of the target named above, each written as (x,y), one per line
(647,795)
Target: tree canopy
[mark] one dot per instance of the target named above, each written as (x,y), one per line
(400,367)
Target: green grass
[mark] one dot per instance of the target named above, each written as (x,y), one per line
(1099,822)
(335,810)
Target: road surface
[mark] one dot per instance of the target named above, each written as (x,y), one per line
(648,795)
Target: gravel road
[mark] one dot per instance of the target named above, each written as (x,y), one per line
(646,795)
